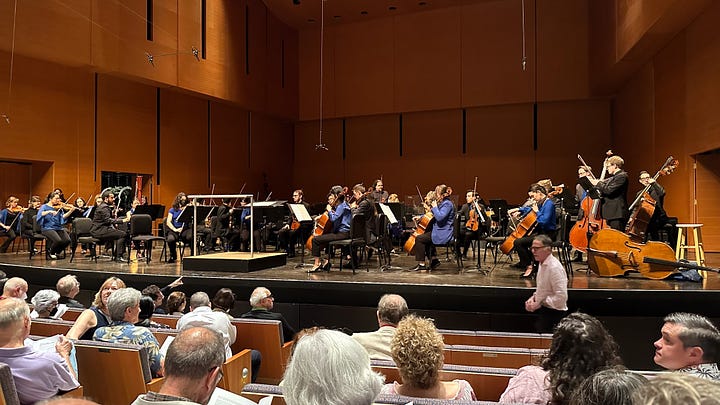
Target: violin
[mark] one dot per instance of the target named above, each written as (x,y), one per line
(475,216)
(17,209)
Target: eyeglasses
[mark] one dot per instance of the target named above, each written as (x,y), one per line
(220,373)
(537,247)
(270,297)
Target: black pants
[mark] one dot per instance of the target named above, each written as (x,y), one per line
(617,224)
(173,237)
(113,236)
(320,243)
(466,237)
(57,241)
(255,361)
(424,247)
(522,247)
(11,235)
(547,318)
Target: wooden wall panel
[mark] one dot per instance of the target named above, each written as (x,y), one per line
(708,199)
(252,83)
(271,147)
(634,19)
(372,150)
(15,179)
(491,68)
(428,60)
(127,117)
(119,39)
(183,146)
(315,171)
(562,50)
(703,83)
(56,31)
(567,128)
(634,117)
(499,151)
(50,120)
(229,151)
(282,70)
(364,76)
(309,68)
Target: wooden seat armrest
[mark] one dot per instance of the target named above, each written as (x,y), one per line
(286,350)
(155,384)
(237,371)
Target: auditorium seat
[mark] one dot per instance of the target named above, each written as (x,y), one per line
(499,339)
(265,336)
(489,356)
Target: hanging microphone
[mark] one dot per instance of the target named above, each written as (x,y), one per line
(196,53)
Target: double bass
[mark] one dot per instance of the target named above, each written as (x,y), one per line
(592,220)
(643,207)
(612,253)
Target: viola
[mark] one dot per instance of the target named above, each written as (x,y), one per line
(612,253)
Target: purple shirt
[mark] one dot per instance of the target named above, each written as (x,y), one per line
(38,376)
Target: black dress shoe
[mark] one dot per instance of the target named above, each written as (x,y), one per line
(419,267)
(434,264)
(171,260)
(326,266)
(317,269)
(530,274)
(518,265)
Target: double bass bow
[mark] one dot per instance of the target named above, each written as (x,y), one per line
(643,207)
(592,221)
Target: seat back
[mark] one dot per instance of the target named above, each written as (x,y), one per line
(358,228)
(112,373)
(50,327)
(265,336)
(35,226)
(82,226)
(497,339)
(140,224)
(489,356)
(7,385)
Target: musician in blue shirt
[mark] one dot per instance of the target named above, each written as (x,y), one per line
(51,217)
(174,228)
(443,211)
(10,222)
(546,221)
(339,213)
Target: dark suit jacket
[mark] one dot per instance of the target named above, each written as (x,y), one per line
(71,303)
(614,196)
(262,313)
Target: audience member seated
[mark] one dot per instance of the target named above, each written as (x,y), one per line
(192,368)
(670,389)
(15,288)
(608,387)
(391,309)
(68,287)
(417,349)
(329,367)
(224,301)
(201,315)
(581,346)
(45,305)
(690,344)
(37,376)
(97,315)
(158,294)
(176,303)
(147,308)
(124,308)
(262,301)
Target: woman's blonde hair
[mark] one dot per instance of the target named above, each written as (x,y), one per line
(98,295)
(417,350)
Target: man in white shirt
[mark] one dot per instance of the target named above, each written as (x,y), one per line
(202,315)
(689,343)
(391,309)
(550,298)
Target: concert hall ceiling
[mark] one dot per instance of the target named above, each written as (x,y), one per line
(302,14)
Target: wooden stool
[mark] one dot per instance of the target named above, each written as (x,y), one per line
(683,246)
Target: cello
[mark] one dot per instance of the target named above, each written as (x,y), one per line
(323,224)
(592,221)
(422,225)
(612,253)
(643,207)
(528,222)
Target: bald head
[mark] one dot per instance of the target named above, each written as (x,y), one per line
(391,309)
(14,321)
(15,288)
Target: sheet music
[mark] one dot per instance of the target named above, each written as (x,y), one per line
(388,212)
(300,212)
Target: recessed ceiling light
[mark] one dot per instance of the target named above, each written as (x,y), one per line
(337,17)
(363,12)
(392,8)
(311,20)
(422,3)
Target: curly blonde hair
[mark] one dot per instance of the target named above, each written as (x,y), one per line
(417,349)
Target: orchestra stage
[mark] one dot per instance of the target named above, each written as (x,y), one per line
(490,299)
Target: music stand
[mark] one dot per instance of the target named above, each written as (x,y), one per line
(389,210)
(303,217)
(90,213)
(187,217)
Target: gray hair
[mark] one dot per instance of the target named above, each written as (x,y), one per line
(66,284)
(11,311)
(677,388)
(697,331)
(199,299)
(608,387)
(544,239)
(121,300)
(258,295)
(44,300)
(392,308)
(194,352)
(330,367)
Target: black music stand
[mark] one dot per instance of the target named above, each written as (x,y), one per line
(186,216)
